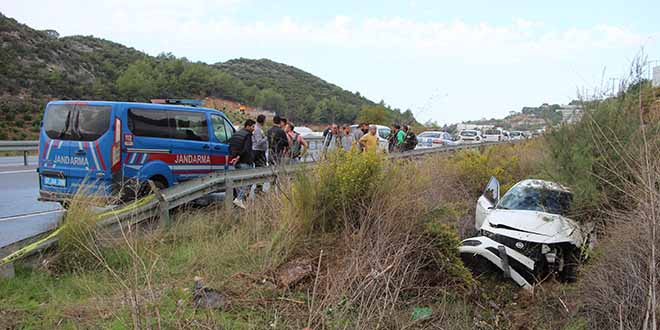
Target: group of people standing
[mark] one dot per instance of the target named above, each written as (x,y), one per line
(363,137)
(250,147)
(401,139)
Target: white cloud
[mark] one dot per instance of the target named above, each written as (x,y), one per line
(399,59)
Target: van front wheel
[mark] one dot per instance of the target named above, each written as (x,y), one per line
(145,188)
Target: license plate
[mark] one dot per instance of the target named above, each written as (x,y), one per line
(52,181)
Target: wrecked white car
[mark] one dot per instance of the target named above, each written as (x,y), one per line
(526,233)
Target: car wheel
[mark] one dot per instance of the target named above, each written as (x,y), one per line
(571,264)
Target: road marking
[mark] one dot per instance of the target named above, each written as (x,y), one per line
(14,164)
(21,171)
(14,217)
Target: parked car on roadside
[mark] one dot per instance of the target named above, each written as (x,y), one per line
(527,233)
(494,135)
(469,136)
(429,139)
(517,135)
(302,130)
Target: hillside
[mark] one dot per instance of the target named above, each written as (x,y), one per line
(37,66)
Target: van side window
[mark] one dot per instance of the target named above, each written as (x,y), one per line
(221,129)
(190,126)
(150,123)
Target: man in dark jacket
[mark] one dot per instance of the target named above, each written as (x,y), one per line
(410,140)
(277,141)
(240,148)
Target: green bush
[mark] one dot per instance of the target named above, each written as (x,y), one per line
(593,157)
(342,184)
(508,163)
(444,253)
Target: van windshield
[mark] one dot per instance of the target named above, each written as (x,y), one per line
(76,122)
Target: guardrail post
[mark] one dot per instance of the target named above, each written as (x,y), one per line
(7,270)
(25,157)
(229,197)
(163,207)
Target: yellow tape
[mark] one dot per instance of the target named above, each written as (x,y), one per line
(28,248)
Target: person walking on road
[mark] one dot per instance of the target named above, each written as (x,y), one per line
(369,141)
(240,148)
(297,145)
(259,145)
(277,142)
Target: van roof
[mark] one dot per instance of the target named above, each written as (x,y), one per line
(137,104)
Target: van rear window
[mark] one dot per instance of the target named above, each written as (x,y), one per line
(77,122)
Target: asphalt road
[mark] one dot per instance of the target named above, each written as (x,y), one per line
(21,215)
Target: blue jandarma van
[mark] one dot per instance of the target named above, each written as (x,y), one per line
(106,145)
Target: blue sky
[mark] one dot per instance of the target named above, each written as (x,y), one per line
(447,61)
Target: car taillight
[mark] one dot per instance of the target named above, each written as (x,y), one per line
(437,141)
(116,146)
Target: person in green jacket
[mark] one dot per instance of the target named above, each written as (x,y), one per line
(400,137)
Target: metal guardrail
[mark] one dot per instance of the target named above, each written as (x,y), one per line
(24,146)
(167,199)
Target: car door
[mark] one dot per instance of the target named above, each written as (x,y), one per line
(221,131)
(487,201)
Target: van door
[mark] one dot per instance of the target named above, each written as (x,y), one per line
(191,144)
(221,131)
(76,153)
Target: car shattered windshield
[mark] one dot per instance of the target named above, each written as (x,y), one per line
(536,199)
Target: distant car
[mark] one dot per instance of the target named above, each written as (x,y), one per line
(526,233)
(494,135)
(517,135)
(434,139)
(302,130)
(381,132)
(469,136)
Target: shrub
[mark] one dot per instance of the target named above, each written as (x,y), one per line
(508,163)
(444,254)
(341,185)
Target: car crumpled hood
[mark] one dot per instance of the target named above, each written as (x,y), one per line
(536,226)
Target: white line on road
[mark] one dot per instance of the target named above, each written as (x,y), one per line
(14,217)
(21,171)
(14,164)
